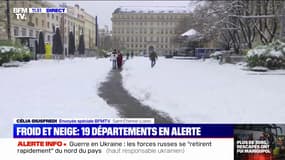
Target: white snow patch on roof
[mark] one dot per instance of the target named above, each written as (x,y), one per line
(190,32)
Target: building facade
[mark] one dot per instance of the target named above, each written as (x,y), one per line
(32,25)
(136,30)
(76,20)
(104,38)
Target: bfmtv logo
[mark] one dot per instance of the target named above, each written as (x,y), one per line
(20,13)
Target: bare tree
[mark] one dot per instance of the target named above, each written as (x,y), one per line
(238,23)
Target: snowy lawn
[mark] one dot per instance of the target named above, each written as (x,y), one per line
(194,91)
(53,88)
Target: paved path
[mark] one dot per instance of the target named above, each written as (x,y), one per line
(114,94)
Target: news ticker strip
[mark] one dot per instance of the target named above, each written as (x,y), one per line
(123,131)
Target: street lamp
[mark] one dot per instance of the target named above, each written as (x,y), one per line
(8,19)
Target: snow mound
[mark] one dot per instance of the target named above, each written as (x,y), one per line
(4,49)
(217,53)
(12,64)
(259,69)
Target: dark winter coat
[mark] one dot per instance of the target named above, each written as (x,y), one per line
(120,60)
(153,56)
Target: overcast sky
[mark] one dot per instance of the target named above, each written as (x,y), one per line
(104,9)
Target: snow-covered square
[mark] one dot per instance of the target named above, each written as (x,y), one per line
(53,89)
(188,91)
(194,91)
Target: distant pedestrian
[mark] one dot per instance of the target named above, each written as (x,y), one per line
(119,60)
(152,57)
(127,55)
(132,54)
(113,58)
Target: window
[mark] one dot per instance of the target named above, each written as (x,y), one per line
(43,23)
(31,33)
(56,18)
(48,25)
(16,31)
(37,21)
(48,15)
(30,18)
(24,32)
(52,16)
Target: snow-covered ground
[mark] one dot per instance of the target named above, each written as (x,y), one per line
(196,91)
(52,88)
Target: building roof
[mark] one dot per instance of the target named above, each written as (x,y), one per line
(190,32)
(169,9)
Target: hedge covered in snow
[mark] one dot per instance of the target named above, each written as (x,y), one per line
(271,56)
(12,53)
